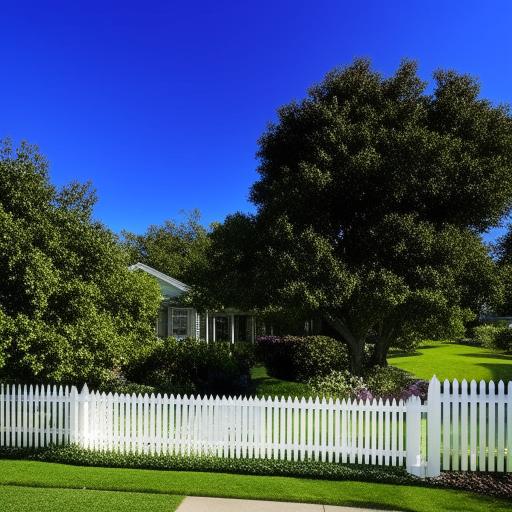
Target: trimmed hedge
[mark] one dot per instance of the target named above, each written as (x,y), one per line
(301,358)
(76,456)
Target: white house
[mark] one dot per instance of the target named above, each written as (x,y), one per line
(181,321)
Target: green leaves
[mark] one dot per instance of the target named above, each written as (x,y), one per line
(70,310)
(178,250)
(370,200)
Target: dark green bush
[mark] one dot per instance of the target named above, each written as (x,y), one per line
(392,382)
(503,340)
(193,367)
(302,357)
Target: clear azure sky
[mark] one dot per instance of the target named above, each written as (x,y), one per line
(160,104)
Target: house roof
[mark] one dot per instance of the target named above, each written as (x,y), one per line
(160,275)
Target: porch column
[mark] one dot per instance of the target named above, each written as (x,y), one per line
(213,329)
(232,328)
(206,329)
(169,321)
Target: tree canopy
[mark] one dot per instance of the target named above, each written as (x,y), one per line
(176,249)
(70,310)
(502,251)
(371,200)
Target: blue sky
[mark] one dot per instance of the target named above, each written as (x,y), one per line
(161,104)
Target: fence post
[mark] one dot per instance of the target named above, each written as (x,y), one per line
(434,428)
(83,426)
(413,439)
(73,415)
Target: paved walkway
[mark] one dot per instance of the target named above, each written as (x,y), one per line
(197,504)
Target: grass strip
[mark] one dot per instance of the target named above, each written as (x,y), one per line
(30,499)
(362,494)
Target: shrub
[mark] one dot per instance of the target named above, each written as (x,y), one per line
(194,367)
(496,336)
(391,382)
(342,385)
(484,335)
(380,382)
(302,358)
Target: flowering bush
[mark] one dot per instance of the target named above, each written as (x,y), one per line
(386,383)
(338,384)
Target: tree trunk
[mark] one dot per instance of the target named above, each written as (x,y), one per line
(379,354)
(355,345)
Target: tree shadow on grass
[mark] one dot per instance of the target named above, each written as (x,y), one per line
(498,371)
(416,352)
(489,355)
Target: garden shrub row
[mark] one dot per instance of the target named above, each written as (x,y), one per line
(301,358)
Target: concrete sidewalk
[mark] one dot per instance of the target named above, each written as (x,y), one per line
(198,504)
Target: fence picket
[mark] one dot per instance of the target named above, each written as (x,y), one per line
(446,418)
(455,425)
(464,448)
(473,413)
(509,427)
(482,413)
(492,432)
(500,455)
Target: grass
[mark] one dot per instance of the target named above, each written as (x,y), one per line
(455,361)
(445,360)
(265,385)
(30,474)
(30,499)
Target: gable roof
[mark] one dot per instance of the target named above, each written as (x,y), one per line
(160,275)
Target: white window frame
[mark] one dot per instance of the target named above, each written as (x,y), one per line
(182,314)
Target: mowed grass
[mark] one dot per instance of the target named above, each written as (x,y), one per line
(455,361)
(31,499)
(265,385)
(46,476)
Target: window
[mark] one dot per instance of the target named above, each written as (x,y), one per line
(179,323)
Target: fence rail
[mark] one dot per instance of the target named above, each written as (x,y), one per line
(461,427)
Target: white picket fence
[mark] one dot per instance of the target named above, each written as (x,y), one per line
(460,427)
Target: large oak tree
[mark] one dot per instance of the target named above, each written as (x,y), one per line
(372,197)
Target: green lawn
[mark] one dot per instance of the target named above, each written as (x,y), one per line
(160,484)
(455,361)
(270,386)
(31,499)
(445,360)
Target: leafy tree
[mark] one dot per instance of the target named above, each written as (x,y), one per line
(70,310)
(370,203)
(177,249)
(502,251)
